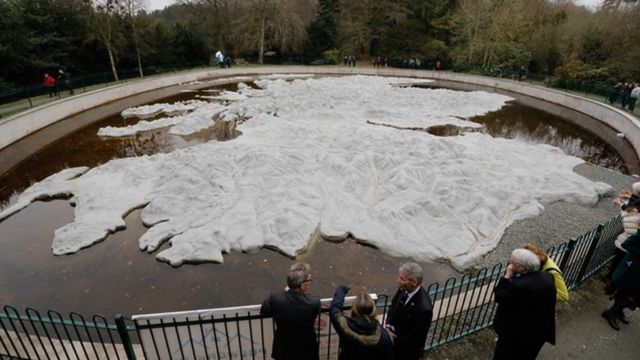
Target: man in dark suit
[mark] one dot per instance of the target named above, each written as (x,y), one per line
(410,313)
(525,317)
(294,312)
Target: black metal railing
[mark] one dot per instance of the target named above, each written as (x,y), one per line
(596,90)
(18,100)
(29,96)
(32,335)
(461,307)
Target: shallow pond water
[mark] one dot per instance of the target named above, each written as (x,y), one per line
(114,276)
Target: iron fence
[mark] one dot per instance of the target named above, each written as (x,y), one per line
(29,96)
(32,335)
(226,333)
(18,100)
(596,90)
(462,306)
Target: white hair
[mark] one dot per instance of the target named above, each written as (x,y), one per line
(412,270)
(298,273)
(635,188)
(526,258)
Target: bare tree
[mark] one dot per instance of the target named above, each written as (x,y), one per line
(104,19)
(131,9)
(473,19)
(271,23)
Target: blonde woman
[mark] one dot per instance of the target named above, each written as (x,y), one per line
(361,335)
(548,265)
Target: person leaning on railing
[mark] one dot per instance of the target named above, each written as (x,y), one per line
(625,281)
(548,265)
(294,312)
(629,202)
(361,335)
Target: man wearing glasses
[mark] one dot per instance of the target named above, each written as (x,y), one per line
(294,312)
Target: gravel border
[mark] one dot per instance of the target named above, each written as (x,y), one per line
(561,221)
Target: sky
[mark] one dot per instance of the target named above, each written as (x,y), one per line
(159,4)
(590,3)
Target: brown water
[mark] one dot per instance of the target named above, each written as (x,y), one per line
(114,276)
(527,124)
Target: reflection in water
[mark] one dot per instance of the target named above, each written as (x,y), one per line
(450,130)
(114,276)
(85,148)
(515,121)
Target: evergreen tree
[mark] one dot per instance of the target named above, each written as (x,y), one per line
(322,31)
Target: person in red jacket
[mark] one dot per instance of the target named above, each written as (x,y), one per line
(50,84)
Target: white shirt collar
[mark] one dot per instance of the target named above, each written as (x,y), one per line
(411,295)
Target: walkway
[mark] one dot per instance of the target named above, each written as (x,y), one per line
(581,333)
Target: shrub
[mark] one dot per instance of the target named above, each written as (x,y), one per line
(328,57)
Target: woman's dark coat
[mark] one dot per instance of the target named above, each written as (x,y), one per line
(359,339)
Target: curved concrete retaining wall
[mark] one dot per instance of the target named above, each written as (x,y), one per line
(25,133)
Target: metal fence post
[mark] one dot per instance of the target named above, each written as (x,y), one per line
(567,254)
(590,252)
(26,88)
(124,336)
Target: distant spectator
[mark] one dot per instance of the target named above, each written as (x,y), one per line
(438,65)
(361,335)
(65,79)
(228,62)
(633,96)
(220,58)
(614,95)
(522,73)
(50,84)
(525,316)
(346,60)
(548,265)
(624,94)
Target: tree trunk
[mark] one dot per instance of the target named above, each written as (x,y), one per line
(261,50)
(139,62)
(135,44)
(113,63)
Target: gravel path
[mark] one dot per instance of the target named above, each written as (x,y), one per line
(561,221)
(581,331)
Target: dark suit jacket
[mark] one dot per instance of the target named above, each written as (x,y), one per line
(294,314)
(526,308)
(411,323)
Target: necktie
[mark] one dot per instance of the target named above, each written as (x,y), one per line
(404,297)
